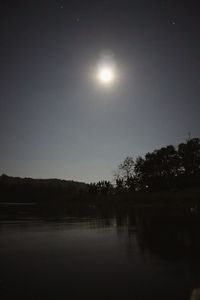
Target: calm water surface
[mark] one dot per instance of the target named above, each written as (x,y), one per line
(117,256)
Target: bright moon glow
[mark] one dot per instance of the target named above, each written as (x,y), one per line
(106,75)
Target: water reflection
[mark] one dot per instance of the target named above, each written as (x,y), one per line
(163,236)
(92,253)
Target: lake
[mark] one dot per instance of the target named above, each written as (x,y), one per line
(94,254)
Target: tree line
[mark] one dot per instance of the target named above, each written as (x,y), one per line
(166,168)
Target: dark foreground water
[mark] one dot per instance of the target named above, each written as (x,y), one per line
(99,256)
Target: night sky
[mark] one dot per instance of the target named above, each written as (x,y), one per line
(58,120)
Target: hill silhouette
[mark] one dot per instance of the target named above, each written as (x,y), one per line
(29,189)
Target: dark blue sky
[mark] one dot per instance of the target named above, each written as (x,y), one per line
(56,120)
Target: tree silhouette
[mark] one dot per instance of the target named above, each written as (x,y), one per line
(119,186)
(189,153)
(125,175)
(168,167)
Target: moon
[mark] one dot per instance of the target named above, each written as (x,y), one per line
(106,75)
